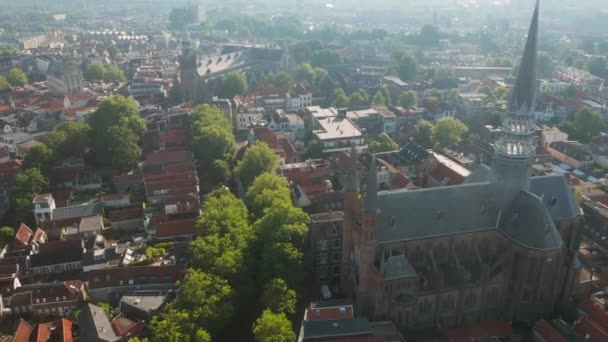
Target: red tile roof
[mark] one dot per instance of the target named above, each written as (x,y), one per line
(24,234)
(112,277)
(168,157)
(24,332)
(548,333)
(174,228)
(329,313)
(65,329)
(126,214)
(78,97)
(596,313)
(43,332)
(586,326)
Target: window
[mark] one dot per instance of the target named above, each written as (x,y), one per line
(131,282)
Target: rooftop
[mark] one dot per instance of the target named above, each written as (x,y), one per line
(337,128)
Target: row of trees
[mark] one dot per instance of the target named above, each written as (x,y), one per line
(407,99)
(107,73)
(243,250)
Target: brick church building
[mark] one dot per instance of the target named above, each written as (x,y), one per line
(502,247)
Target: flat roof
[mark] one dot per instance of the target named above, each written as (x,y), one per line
(337,128)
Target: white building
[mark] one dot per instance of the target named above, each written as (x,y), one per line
(244,120)
(338,134)
(44,205)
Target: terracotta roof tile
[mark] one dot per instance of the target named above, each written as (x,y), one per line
(24,332)
(24,234)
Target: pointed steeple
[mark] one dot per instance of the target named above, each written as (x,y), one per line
(523,94)
(370,202)
(352,181)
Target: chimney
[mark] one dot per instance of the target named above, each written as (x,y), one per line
(342,112)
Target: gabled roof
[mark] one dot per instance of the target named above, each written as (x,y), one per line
(95,325)
(24,234)
(23,332)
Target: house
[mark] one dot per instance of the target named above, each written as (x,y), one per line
(109,285)
(129,219)
(44,205)
(116,200)
(59,330)
(90,226)
(26,241)
(50,299)
(572,153)
(338,133)
(175,229)
(55,257)
(439,170)
(300,97)
(94,325)
(9,281)
(144,306)
(246,118)
(279,121)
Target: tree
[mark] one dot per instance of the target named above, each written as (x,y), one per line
(319,74)
(403,65)
(112,73)
(257,159)
(16,77)
(314,150)
(441,71)
(340,99)
(115,111)
(113,51)
(6,235)
(408,99)
(281,80)
(234,84)
(207,115)
(95,71)
(587,124)
(448,131)
(279,298)
(570,91)
(424,134)
(382,143)
(27,184)
(304,72)
(220,172)
(69,139)
(453,98)
(172,325)
(379,99)
(4,82)
(207,298)
(266,189)
(212,143)
(154,254)
(224,234)
(386,93)
(107,308)
(325,57)
(271,327)
(597,67)
(39,156)
(124,148)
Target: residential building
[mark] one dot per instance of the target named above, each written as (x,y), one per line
(109,285)
(58,330)
(338,133)
(572,153)
(501,248)
(326,242)
(144,306)
(32,42)
(94,325)
(247,118)
(56,257)
(51,299)
(299,98)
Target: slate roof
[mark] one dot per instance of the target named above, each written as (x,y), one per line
(78,211)
(398,267)
(557,196)
(406,215)
(95,325)
(331,328)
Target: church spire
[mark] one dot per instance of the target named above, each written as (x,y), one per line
(370,202)
(515,148)
(524,92)
(352,181)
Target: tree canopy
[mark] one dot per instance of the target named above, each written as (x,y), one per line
(448,131)
(340,99)
(379,99)
(408,99)
(424,134)
(281,80)
(382,143)
(596,66)
(116,117)
(271,327)
(6,235)
(313,150)
(258,159)
(587,124)
(16,77)
(325,57)
(4,82)
(69,139)
(404,66)
(28,183)
(95,71)
(234,84)
(304,72)
(266,189)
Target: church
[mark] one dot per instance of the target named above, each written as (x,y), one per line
(201,78)
(501,247)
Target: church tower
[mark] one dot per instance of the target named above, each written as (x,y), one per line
(515,150)
(188,72)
